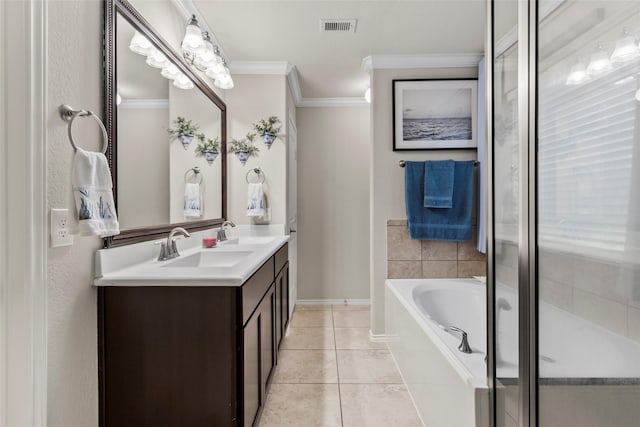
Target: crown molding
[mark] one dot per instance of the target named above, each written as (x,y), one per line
(294,85)
(150,104)
(389,62)
(284,68)
(333,102)
(271,68)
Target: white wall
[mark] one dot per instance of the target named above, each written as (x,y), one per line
(256,97)
(143,146)
(387,179)
(333,202)
(74,76)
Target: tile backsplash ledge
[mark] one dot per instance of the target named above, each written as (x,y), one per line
(416,259)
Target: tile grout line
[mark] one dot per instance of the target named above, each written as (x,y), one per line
(335,349)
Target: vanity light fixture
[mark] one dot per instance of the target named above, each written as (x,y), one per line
(183,82)
(192,43)
(599,63)
(207,55)
(199,51)
(157,60)
(170,72)
(224,82)
(367,95)
(141,45)
(578,74)
(626,50)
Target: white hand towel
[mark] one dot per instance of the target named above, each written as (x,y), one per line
(192,200)
(256,205)
(93,207)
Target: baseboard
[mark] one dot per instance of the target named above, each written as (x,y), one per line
(381,337)
(333,301)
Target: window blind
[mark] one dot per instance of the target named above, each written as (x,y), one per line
(586,135)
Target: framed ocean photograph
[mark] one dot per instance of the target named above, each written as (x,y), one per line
(434,114)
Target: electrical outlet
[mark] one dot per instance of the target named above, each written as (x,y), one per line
(59,227)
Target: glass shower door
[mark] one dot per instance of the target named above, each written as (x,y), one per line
(506,155)
(588,213)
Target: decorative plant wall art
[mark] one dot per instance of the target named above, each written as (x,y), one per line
(207,148)
(268,129)
(243,148)
(184,130)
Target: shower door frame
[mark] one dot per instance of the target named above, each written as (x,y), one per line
(527,214)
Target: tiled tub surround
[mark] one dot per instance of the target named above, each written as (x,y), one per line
(416,259)
(600,291)
(330,374)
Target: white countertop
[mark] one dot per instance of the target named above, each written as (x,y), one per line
(137,265)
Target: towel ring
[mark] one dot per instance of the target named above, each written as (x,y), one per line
(258,172)
(69,114)
(196,172)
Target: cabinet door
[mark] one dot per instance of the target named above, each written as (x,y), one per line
(282,303)
(267,341)
(278,323)
(285,297)
(251,372)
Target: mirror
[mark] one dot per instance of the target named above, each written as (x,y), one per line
(160,179)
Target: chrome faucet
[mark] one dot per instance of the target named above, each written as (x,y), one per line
(222,233)
(169,249)
(464,345)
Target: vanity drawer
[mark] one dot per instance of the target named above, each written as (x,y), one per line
(281,258)
(254,289)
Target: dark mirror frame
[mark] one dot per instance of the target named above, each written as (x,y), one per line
(124,8)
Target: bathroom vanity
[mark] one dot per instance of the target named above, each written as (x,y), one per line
(178,348)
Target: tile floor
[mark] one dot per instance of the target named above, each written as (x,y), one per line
(329,374)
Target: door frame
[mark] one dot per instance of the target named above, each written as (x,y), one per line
(23,225)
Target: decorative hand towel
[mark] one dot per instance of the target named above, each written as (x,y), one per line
(92,188)
(256,205)
(192,200)
(438,183)
(452,224)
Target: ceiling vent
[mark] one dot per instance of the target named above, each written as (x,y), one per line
(338,25)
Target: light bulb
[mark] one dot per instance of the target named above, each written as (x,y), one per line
(367,95)
(141,45)
(206,55)
(183,82)
(599,63)
(578,75)
(224,82)
(215,69)
(170,72)
(157,60)
(192,43)
(625,51)
(118,99)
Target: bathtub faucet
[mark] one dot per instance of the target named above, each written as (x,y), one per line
(464,345)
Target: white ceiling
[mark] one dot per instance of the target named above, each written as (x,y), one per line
(330,64)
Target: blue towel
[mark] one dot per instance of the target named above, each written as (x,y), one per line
(439,224)
(438,183)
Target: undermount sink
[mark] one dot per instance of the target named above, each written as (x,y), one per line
(210,259)
(250,240)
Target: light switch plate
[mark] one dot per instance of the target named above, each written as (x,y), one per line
(59,227)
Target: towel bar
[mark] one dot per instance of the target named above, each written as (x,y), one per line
(69,114)
(402,163)
(196,173)
(258,172)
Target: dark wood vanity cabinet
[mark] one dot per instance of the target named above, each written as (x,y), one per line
(191,355)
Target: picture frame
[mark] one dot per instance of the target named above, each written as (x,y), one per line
(435,114)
